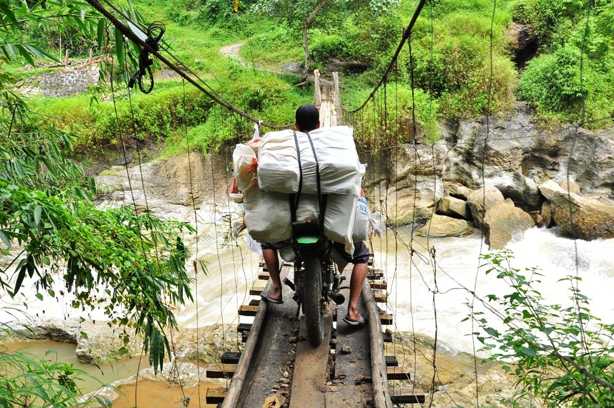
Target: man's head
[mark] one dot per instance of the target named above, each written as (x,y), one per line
(307,118)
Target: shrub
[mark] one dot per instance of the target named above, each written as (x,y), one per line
(152,117)
(372,132)
(326,47)
(551,83)
(561,355)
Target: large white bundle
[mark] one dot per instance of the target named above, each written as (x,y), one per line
(340,168)
(268,218)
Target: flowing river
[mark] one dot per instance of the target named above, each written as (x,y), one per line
(230,268)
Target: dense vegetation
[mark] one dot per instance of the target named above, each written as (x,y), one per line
(451,63)
(124,262)
(561,355)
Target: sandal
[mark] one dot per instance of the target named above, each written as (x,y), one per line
(354,323)
(269,299)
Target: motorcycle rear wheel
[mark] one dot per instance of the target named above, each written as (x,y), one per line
(312,302)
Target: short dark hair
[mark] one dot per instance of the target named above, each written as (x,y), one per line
(307,118)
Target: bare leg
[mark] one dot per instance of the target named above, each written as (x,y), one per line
(358,278)
(272,263)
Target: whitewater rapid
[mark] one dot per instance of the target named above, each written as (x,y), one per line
(410,299)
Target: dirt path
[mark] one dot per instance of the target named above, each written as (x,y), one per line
(233,51)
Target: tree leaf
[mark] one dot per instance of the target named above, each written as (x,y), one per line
(5,239)
(120,48)
(38,210)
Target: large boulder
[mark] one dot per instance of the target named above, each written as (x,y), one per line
(453,207)
(412,199)
(579,216)
(522,190)
(480,200)
(64,331)
(502,221)
(456,190)
(440,226)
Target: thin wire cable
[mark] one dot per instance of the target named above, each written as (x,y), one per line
(196,251)
(483,209)
(414,131)
(129,179)
(575,282)
(395,56)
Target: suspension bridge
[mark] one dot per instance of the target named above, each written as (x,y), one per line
(353,367)
(278,367)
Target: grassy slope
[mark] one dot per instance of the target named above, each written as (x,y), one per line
(460,52)
(159,115)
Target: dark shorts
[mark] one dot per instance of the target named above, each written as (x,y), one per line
(360,256)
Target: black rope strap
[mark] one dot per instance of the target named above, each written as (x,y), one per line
(154,32)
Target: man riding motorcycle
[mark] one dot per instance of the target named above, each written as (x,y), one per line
(307,120)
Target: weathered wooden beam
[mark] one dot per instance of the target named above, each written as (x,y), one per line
(256,290)
(221,370)
(215,395)
(397,373)
(380,296)
(231,357)
(381,395)
(244,327)
(385,318)
(387,336)
(403,395)
(251,340)
(248,310)
(378,284)
(374,274)
(391,361)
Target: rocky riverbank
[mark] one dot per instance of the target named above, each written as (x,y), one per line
(527,172)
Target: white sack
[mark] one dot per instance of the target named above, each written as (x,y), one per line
(340,168)
(339,220)
(361,220)
(268,218)
(242,159)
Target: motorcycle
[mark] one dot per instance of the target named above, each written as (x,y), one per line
(316,278)
(316,275)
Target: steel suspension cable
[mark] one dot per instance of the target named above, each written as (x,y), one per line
(406,35)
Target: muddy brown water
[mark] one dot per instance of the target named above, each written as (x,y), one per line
(93,377)
(154,394)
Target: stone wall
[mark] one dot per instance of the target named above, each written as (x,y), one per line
(66,81)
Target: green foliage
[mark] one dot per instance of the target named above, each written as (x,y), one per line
(560,354)
(546,17)
(46,384)
(373,130)
(151,118)
(552,82)
(268,97)
(130,265)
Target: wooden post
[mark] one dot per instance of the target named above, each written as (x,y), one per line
(317,92)
(337,98)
